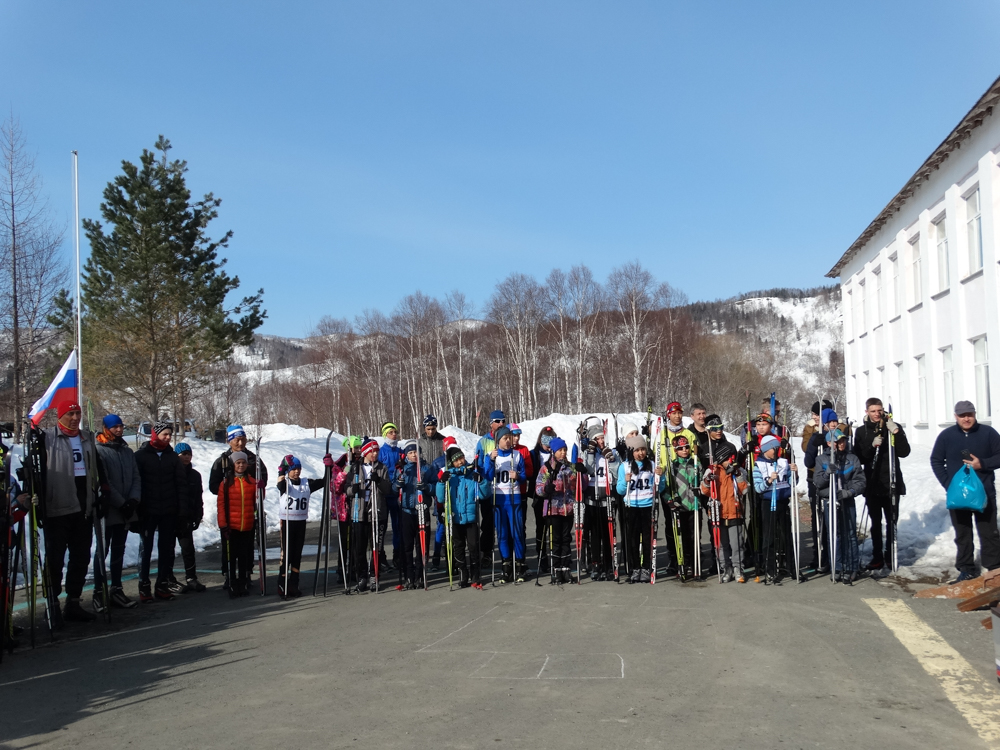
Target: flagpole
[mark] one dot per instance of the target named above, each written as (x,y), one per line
(76,234)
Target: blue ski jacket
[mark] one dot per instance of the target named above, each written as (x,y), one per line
(406,480)
(464,491)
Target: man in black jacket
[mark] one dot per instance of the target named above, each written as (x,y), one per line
(872,442)
(970,443)
(164,499)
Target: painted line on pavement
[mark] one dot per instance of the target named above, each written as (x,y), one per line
(135,630)
(37,677)
(975,699)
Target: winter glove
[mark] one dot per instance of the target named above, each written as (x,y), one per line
(707,476)
(549,489)
(645,430)
(355,490)
(581,430)
(195,525)
(440,510)
(443,475)
(844,495)
(877,441)
(893,427)
(224,531)
(607,453)
(590,447)
(328,460)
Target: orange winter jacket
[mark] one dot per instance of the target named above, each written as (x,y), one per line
(237,500)
(729,501)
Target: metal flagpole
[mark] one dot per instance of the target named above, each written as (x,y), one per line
(76,237)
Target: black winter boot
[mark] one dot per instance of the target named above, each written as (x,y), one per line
(507,576)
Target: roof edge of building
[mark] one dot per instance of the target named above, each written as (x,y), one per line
(972,120)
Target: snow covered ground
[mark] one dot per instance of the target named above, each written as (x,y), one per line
(926,539)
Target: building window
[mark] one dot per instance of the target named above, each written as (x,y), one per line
(880,384)
(877,302)
(900,404)
(922,387)
(897,302)
(941,234)
(915,287)
(860,314)
(974,219)
(980,357)
(947,382)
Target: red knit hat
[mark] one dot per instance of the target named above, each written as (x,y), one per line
(370,447)
(674,406)
(66,408)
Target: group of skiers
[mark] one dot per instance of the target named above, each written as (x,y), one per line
(726,509)
(596,497)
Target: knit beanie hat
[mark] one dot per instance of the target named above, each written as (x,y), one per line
(237,456)
(556,444)
(635,441)
(386,426)
(769,443)
(288,463)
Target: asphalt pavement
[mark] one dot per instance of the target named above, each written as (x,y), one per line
(694,665)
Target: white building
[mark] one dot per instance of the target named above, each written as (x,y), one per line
(920,285)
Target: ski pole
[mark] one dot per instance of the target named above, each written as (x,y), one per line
(448,530)
(421,521)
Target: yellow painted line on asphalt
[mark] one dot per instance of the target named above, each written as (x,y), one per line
(977,700)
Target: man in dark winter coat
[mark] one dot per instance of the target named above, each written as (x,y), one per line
(872,442)
(73,472)
(124,493)
(970,443)
(223,469)
(164,499)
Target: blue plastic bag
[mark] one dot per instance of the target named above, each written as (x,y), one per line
(966,491)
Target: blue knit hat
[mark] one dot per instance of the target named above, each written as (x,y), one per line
(497,414)
(556,444)
(829,415)
(112,420)
(234,431)
(768,443)
(182,448)
(502,432)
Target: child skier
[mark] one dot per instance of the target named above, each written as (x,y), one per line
(849,478)
(505,472)
(367,492)
(557,486)
(682,493)
(341,474)
(458,484)
(640,481)
(731,487)
(236,503)
(602,470)
(293,512)
(539,455)
(413,501)
(771,482)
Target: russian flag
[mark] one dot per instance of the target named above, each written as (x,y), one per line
(62,390)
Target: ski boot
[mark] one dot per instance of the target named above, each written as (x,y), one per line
(193,584)
(634,576)
(163,591)
(74,612)
(520,571)
(644,576)
(507,571)
(119,599)
(145,592)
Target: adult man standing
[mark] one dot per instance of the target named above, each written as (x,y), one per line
(223,470)
(430,447)
(164,498)
(390,455)
(124,491)
(871,445)
(970,443)
(73,472)
(699,415)
(486,445)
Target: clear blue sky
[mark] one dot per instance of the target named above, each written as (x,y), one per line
(367,150)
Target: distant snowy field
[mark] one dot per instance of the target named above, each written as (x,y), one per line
(926,539)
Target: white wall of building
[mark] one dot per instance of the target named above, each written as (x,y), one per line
(921,315)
